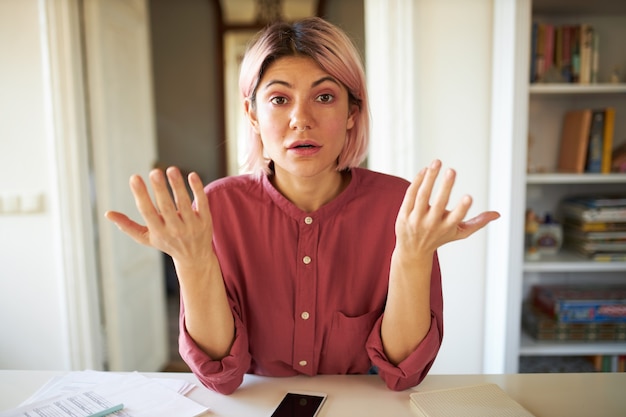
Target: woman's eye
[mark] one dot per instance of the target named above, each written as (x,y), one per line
(325,98)
(278,100)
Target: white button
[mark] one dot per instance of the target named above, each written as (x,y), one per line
(305,315)
(302,363)
(308,220)
(306,260)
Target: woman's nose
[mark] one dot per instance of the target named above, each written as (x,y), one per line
(301,118)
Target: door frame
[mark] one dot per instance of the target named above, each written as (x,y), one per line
(73,202)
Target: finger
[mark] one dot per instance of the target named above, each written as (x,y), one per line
(201,201)
(457,215)
(411,193)
(422,202)
(136,231)
(143,201)
(474,224)
(443,195)
(179,190)
(162,196)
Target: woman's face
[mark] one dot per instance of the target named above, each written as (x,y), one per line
(302,115)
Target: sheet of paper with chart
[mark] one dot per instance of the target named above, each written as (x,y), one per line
(89,392)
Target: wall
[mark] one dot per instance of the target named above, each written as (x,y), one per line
(454,90)
(440,51)
(32,320)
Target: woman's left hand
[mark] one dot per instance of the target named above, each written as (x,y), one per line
(422,226)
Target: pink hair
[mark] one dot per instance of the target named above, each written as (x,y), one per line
(334,52)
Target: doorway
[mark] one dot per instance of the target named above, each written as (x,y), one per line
(195,79)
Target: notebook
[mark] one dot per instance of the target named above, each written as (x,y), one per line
(483,400)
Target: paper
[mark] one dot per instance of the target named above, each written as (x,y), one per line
(141,396)
(84,404)
(484,400)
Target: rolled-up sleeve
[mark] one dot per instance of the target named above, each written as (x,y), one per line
(412,370)
(225,375)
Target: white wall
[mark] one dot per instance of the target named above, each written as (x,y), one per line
(454,92)
(32,321)
(441,52)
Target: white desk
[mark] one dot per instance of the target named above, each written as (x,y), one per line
(545,395)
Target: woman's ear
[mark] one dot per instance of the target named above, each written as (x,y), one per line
(352,115)
(248,108)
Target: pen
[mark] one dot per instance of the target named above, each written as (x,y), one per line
(108,411)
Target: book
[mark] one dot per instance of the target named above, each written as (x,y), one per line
(598,200)
(575,57)
(482,400)
(608,256)
(542,326)
(595,150)
(607,144)
(548,56)
(574,141)
(583,304)
(595,57)
(533,52)
(586,53)
(593,210)
(577,224)
(538,69)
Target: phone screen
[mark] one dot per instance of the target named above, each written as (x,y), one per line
(299,405)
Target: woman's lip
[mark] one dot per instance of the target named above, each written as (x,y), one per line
(304,149)
(303,144)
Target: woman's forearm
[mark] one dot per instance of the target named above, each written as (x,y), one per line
(407,316)
(208,317)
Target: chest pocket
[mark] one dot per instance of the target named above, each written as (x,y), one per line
(344,351)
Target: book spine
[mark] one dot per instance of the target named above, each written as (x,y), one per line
(575,53)
(533,52)
(595,58)
(539,55)
(607,145)
(606,311)
(586,51)
(566,61)
(595,151)
(549,48)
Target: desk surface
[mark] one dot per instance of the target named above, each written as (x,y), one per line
(545,395)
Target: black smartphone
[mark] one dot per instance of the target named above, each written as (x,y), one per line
(300,404)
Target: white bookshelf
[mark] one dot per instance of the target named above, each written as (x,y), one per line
(544,188)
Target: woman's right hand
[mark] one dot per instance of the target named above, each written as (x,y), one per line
(185,232)
(172,224)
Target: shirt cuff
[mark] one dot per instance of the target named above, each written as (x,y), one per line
(225,375)
(412,370)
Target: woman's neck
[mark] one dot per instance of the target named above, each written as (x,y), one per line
(309,194)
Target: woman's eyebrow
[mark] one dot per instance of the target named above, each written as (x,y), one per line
(323,79)
(313,84)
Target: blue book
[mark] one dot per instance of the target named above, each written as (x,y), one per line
(596,143)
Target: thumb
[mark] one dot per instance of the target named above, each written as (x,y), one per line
(136,231)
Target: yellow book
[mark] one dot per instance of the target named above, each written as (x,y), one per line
(483,400)
(607,146)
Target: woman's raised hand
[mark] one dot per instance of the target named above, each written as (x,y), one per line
(172,225)
(422,226)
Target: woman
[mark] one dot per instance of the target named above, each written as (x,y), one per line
(309,264)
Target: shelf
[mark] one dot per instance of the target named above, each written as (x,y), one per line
(532,347)
(558,178)
(565,88)
(565,261)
